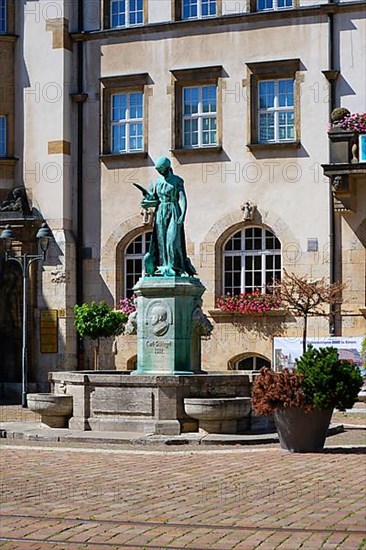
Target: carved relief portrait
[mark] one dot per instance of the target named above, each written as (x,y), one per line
(159,317)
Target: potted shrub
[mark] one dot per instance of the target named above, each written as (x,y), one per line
(98,321)
(302,400)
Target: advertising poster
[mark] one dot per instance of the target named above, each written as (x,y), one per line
(286,350)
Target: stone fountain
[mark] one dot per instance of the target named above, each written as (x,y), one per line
(168,393)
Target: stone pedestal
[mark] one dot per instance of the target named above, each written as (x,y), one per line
(168,337)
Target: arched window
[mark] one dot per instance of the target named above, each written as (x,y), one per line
(134,253)
(253,362)
(252,260)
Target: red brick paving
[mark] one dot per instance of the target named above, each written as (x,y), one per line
(239,499)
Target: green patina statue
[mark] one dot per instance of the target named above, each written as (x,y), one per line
(167,255)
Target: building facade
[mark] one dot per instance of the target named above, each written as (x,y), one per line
(238,94)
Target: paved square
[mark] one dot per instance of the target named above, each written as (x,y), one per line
(222,499)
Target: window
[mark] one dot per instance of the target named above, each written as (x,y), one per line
(124,116)
(274,104)
(2,136)
(133,264)
(3,25)
(199,116)
(273,4)
(127,122)
(252,260)
(252,363)
(126,13)
(198,9)
(197,110)
(276,119)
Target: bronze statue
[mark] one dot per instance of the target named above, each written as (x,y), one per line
(167,255)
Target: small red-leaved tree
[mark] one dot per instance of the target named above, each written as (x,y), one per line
(306,297)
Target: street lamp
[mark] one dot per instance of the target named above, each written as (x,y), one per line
(25,260)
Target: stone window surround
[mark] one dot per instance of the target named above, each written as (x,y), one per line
(253,7)
(177,11)
(199,76)
(267,70)
(107,16)
(122,84)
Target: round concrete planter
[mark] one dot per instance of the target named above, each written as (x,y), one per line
(55,410)
(301,432)
(218,414)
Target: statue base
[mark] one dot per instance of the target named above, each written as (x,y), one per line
(168,334)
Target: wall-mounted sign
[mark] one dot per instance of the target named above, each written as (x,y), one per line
(48,328)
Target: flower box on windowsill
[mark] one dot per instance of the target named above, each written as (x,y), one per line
(225,316)
(341,143)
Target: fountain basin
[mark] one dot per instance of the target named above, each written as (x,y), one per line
(55,410)
(219,414)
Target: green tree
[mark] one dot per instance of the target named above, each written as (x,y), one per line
(98,320)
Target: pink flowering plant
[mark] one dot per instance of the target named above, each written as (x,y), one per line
(246,303)
(356,122)
(127,305)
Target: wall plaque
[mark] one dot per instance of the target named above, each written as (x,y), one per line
(48,326)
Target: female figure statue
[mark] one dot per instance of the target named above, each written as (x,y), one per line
(167,255)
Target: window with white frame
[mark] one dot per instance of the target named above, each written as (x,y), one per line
(127,135)
(2,136)
(126,13)
(198,9)
(252,261)
(276,112)
(3,26)
(199,116)
(263,5)
(133,261)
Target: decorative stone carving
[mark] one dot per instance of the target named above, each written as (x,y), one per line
(16,201)
(59,277)
(201,323)
(248,209)
(131,325)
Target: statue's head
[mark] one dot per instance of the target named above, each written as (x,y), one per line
(162,165)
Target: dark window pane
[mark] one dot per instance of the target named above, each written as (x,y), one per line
(248,262)
(237,244)
(248,279)
(277,244)
(269,262)
(278,262)
(257,279)
(228,263)
(257,262)
(237,263)
(237,279)
(257,232)
(245,364)
(258,244)
(249,232)
(248,244)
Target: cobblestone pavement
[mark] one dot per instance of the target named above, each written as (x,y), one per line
(66,498)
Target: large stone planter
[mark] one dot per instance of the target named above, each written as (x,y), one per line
(301,432)
(55,410)
(218,415)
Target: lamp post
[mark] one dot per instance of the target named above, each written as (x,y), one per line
(25,260)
